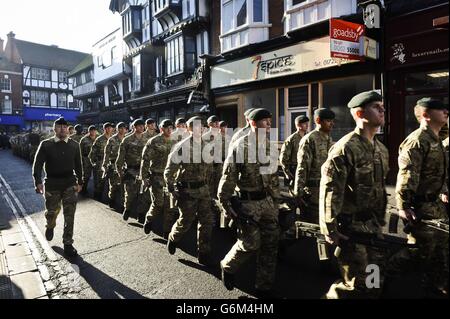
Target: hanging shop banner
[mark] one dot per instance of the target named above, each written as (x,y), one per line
(346,39)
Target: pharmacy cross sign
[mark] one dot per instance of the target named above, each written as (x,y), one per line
(345,39)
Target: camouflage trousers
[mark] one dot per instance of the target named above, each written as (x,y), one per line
(53,200)
(115,188)
(99,182)
(261,239)
(192,207)
(213,182)
(160,203)
(87,171)
(353,264)
(133,200)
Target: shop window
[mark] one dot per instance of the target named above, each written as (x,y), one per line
(427,80)
(337,94)
(298,96)
(282,119)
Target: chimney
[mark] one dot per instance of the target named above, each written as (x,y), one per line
(11,51)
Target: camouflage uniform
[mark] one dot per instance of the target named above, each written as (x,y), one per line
(60,188)
(96,157)
(288,156)
(194,199)
(239,133)
(109,160)
(257,192)
(154,161)
(128,164)
(149,134)
(421,178)
(179,134)
(353,186)
(312,153)
(77,137)
(85,147)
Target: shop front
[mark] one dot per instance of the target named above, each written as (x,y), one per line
(416,66)
(11,124)
(291,81)
(41,119)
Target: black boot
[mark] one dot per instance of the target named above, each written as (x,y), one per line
(171,247)
(147,227)
(227,279)
(126,214)
(141,219)
(70,251)
(205,259)
(49,234)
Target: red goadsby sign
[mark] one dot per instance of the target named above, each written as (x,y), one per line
(345,39)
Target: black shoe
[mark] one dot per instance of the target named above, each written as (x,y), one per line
(70,251)
(49,234)
(205,259)
(228,280)
(111,204)
(125,215)
(267,294)
(166,235)
(148,227)
(171,247)
(141,219)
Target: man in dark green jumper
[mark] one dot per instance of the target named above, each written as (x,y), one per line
(61,159)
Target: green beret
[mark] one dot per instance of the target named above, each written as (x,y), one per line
(223,124)
(212,119)
(247,113)
(324,114)
(301,119)
(78,127)
(180,121)
(364,98)
(92,128)
(150,121)
(190,122)
(121,125)
(259,114)
(166,123)
(61,121)
(107,124)
(431,103)
(138,122)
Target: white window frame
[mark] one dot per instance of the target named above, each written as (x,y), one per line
(137,73)
(250,16)
(40,98)
(175,62)
(62,77)
(6,106)
(62,102)
(5,84)
(40,74)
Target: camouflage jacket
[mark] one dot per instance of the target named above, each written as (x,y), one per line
(111,151)
(149,134)
(312,153)
(154,156)
(248,174)
(98,150)
(130,153)
(185,164)
(288,154)
(77,137)
(85,145)
(179,134)
(422,168)
(353,182)
(445,145)
(240,133)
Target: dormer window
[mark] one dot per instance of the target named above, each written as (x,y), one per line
(243,22)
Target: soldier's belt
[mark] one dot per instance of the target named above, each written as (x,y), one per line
(315,183)
(191,185)
(427,198)
(243,195)
(133,167)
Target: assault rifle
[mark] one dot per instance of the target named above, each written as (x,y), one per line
(367,239)
(428,221)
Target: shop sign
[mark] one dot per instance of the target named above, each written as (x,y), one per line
(345,39)
(196,98)
(295,59)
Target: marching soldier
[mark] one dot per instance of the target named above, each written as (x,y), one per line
(312,153)
(154,161)
(61,159)
(243,131)
(128,164)
(288,154)
(108,166)
(256,208)
(181,131)
(78,134)
(96,157)
(71,130)
(85,146)
(185,176)
(150,125)
(353,196)
(421,179)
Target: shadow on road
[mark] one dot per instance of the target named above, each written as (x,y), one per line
(104,286)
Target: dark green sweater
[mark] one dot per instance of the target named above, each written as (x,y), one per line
(61,162)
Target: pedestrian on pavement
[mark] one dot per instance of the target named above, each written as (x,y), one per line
(60,157)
